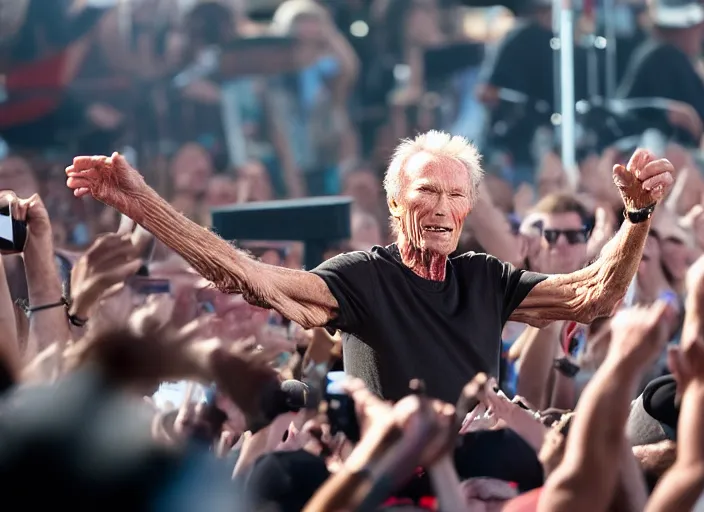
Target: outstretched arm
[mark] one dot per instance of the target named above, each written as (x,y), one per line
(299,296)
(596,290)
(592,292)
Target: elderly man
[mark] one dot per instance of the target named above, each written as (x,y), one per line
(406,310)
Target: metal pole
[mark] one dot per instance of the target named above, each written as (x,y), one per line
(608,15)
(567,110)
(555,45)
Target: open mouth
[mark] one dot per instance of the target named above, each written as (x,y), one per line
(437,229)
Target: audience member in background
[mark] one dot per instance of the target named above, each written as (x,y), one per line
(563,225)
(676,38)
(16,174)
(190,170)
(314,100)
(523,62)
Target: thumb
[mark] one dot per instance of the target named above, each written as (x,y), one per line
(622,177)
(119,160)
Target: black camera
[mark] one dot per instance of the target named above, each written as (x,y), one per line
(13,232)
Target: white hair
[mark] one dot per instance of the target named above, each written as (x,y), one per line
(290,11)
(439,144)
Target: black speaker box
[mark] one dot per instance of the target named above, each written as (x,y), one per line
(317,222)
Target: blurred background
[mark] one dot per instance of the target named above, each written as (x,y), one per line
(220,102)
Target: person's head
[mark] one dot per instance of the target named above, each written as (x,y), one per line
(17,175)
(211,22)
(254,183)
(305,20)
(562,222)
(191,168)
(361,183)
(411,23)
(366,232)
(431,185)
(679,22)
(677,246)
(221,191)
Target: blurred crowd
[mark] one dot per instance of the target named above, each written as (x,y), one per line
(152,402)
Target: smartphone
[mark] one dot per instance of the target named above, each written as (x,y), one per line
(342,416)
(149,285)
(13,232)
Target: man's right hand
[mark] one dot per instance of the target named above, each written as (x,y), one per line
(110,180)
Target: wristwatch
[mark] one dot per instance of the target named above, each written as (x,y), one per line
(640,215)
(566,367)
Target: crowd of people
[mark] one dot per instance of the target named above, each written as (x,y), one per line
(533,356)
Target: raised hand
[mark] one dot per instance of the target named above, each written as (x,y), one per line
(110,180)
(144,350)
(639,334)
(108,262)
(644,181)
(33,212)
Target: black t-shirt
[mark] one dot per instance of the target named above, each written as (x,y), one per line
(398,326)
(660,70)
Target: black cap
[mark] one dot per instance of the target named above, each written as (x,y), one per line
(286,480)
(676,13)
(654,414)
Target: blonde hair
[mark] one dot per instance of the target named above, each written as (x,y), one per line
(439,144)
(291,10)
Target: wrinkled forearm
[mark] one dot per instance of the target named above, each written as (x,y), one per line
(299,296)
(231,270)
(592,292)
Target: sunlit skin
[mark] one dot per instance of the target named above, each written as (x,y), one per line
(561,257)
(434,201)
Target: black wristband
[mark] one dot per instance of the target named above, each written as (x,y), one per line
(640,215)
(62,303)
(78,322)
(566,367)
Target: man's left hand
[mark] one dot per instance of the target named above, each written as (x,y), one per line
(644,181)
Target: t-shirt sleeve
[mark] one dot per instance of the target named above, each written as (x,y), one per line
(516,285)
(351,280)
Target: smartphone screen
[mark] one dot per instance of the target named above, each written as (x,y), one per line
(149,285)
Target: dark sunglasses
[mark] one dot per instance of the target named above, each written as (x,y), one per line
(573,236)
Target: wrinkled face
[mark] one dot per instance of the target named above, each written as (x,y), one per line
(563,246)
(435,199)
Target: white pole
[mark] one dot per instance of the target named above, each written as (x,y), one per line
(567,110)
(610,34)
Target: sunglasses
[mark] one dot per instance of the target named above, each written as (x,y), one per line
(573,236)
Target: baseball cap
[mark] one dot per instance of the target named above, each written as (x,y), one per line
(654,414)
(676,13)
(286,480)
